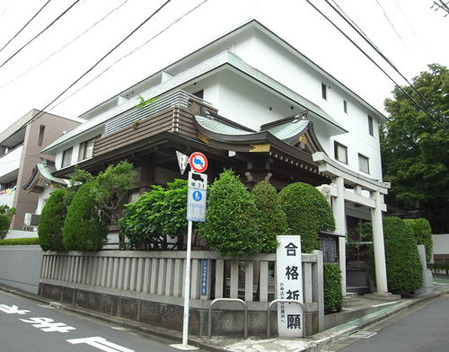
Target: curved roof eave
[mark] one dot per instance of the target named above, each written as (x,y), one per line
(224,133)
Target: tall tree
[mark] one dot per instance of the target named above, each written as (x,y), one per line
(415,146)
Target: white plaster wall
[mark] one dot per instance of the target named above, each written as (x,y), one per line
(280,64)
(440,244)
(43,197)
(244,102)
(76,144)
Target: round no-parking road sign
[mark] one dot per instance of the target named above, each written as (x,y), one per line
(198,162)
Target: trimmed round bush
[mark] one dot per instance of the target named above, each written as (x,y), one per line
(51,221)
(333,294)
(423,234)
(404,272)
(308,213)
(85,228)
(231,218)
(271,217)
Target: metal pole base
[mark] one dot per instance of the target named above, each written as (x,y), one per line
(184,347)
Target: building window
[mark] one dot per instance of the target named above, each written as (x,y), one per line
(40,138)
(363,163)
(67,157)
(341,152)
(324,91)
(370,125)
(199,94)
(345,106)
(86,150)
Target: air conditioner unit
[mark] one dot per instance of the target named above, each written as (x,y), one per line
(31,219)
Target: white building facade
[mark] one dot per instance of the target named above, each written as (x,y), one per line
(252,78)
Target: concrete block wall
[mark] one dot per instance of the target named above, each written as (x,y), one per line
(20,267)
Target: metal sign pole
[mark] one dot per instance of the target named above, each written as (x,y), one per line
(185,330)
(198,162)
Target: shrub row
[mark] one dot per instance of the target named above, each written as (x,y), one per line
(333,293)
(20,241)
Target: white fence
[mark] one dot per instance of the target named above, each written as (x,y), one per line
(159,276)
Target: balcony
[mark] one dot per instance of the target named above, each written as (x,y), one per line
(171,113)
(9,165)
(179,98)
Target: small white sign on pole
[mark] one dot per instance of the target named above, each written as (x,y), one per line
(196,205)
(183,161)
(289,286)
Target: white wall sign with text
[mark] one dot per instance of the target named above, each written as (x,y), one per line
(289,286)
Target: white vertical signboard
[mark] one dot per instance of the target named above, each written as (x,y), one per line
(289,286)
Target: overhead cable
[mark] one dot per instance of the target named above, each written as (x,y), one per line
(129,53)
(26,24)
(36,36)
(102,58)
(64,46)
(377,65)
(378,51)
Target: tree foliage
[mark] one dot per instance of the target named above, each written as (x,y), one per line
(271,217)
(85,227)
(415,146)
(117,180)
(157,216)
(231,219)
(6,215)
(51,221)
(308,213)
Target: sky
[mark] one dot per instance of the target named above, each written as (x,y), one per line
(79,53)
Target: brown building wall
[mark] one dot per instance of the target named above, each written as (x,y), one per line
(36,139)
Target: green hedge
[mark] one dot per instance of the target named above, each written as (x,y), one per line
(231,224)
(333,295)
(308,213)
(20,241)
(51,221)
(404,271)
(439,266)
(85,227)
(423,234)
(271,217)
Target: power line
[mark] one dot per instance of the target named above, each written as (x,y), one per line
(377,65)
(36,36)
(378,51)
(388,19)
(130,53)
(26,24)
(99,61)
(64,46)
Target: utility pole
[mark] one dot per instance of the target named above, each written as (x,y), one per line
(440,4)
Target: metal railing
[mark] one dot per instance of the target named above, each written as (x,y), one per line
(179,98)
(284,301)
(228,300)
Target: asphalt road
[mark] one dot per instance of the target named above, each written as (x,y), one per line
(26,325)
(424,328)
